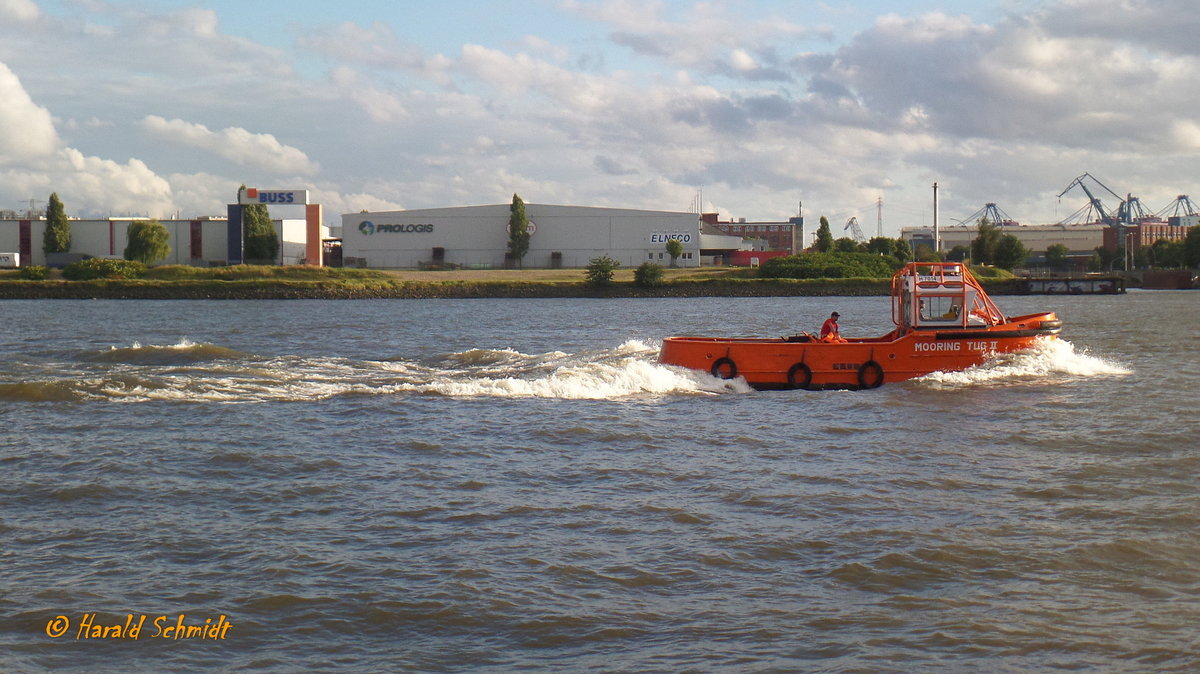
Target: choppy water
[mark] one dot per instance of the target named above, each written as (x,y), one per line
(516,484)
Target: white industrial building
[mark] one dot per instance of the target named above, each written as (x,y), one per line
(1079,239)
(197,241)
(476,237)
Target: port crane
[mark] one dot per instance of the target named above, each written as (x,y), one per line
(993,213)
(1182,205)
(1132,211)
(855,230)
(1085,214)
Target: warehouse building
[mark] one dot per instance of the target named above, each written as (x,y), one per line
(1080,240)
(197,241)
(476,237)
(206,241)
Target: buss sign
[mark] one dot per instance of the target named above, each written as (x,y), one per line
(253,195)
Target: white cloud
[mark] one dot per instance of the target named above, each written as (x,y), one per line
(1185,134)
(375,46)
(383,107)
(26,129)
(334,202)
(929,28)
(1168,25)
(91,123)
(259,150)
(195,194)
(741,60)
(35,163)
(707,38)
(19,10)
(125,189)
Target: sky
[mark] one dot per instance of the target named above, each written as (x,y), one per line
(753,109)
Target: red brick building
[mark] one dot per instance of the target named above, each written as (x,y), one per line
(779,236)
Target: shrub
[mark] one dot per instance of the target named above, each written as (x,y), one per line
(599,273)
(247,272)
(830,265)
(34,272)
(648,275)
(99,267)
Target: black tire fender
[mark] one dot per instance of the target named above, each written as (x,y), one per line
(799,376)
(870,375)
(724,368)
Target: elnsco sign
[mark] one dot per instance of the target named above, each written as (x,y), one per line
(663,238)
(253,195)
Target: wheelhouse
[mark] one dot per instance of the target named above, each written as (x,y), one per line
(939,295)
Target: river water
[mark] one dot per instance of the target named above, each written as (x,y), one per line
(489,485)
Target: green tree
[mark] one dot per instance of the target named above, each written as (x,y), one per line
(881,245)
(847,245)
(902,250)
(674,249)
(1010,252)
(518,231)
(1191,248)
(600,270)
(1166,254)
(1107,259)
(147,241)
(57,238)
(648,275)
(1141,258)
(926,253)
(958,253)
(260,242)
(1056,256)
(824,242)
(983,248)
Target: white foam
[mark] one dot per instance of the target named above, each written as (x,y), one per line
(628,370)
(183,343)
(588,380)
(1049,359)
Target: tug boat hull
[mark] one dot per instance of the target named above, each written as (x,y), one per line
(944,322)
(780,363)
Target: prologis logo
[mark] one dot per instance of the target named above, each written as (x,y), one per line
(366,227)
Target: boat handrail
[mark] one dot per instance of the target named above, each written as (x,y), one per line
(917,280)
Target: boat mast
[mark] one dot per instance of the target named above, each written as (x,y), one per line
(937,232)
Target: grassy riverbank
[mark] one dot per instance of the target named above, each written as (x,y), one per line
(252,282)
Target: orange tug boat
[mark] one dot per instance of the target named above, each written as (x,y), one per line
(944,322)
